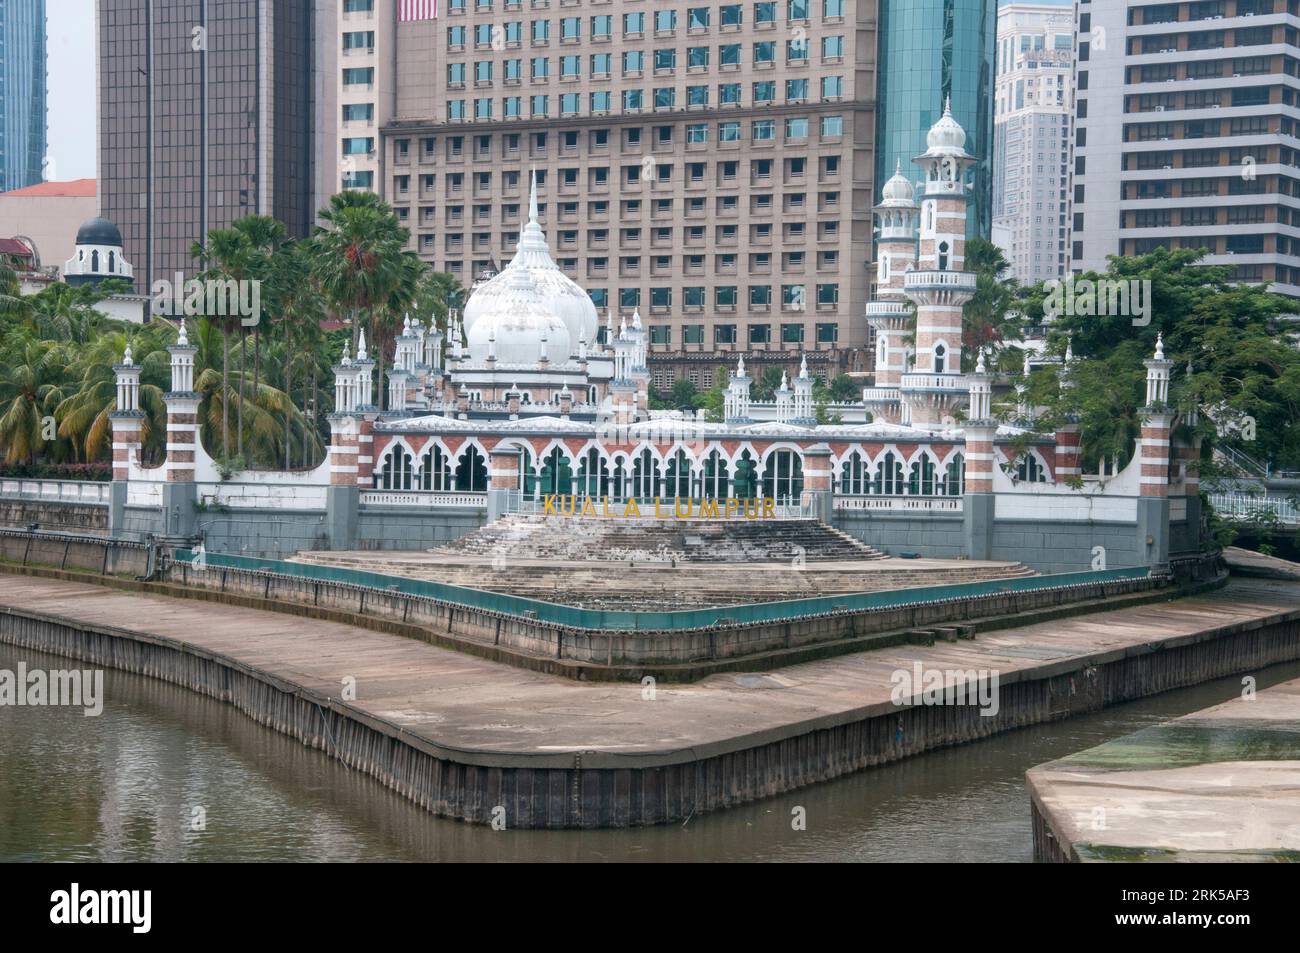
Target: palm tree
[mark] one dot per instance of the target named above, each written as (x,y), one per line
(83,415)
(31,387)
(241,253)
(359,258)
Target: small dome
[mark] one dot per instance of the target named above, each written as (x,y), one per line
(898,191)
(946,134)
(515,321)
(99,231)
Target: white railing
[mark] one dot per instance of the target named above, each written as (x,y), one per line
(1242,507)
(927,381)
(67,491)
(900,504)
(421,498)
(942,279)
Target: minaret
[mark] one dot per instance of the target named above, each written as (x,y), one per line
(979,434)
(736,399)
(1153,457)
(126,421)
(888,312)
(804,414)
(182,438)
(784,401)
(939,286)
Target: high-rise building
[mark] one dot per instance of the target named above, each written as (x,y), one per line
(22,93)
(1184,133)
(709,165)
(931,52)
(1031,138)
(205,116)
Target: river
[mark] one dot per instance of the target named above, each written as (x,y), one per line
(129,784)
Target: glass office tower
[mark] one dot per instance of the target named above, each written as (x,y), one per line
(930,50)
(191,140)
(22,92)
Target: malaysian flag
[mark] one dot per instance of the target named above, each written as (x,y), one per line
(409,10)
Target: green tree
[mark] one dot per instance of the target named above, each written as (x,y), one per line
(989,318)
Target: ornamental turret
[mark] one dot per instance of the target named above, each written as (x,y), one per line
(940,286)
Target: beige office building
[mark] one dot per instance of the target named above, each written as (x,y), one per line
(709,165)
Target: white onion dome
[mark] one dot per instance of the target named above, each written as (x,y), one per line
(946,137)
(518,323)
(898,192)
(562,296)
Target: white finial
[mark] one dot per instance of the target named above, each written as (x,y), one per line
(406,324)
(347,354)
(183,339)
(785,385)
(803,367)
(361,346)
(1025,368)
(1160,346)
(532,196)
(740,366)
(1069,351)
(126,356)
(947,105)
(636,319)
(979,363)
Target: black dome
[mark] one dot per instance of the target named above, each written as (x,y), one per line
(99,231)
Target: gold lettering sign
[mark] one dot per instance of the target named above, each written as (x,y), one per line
(674,508)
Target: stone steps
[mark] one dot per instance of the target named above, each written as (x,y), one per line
(529,536)
(661,586)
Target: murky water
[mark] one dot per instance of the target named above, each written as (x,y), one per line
(126,786)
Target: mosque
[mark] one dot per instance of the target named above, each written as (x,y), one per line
(527,401)
(524,407)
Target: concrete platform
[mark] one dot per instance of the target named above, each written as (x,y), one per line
(460,734)
(1218,784)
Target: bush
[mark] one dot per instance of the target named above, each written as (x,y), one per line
(96,472)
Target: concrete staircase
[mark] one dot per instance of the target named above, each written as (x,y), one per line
(534,537)
(628,564)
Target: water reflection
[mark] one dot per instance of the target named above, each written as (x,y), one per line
(125,786)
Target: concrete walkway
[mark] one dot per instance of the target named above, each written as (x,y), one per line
(1218,784)
(495,714)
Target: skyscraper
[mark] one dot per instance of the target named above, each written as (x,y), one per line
(205,116)
(1184,132)
(1031,138)
(930,51)
(22,93)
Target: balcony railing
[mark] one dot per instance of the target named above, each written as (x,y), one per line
(953,280)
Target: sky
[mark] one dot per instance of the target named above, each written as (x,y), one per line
(70,47)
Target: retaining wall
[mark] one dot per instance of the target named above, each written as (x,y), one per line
(573,790)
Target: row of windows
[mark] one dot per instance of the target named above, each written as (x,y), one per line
(632,62)
(726,205)
(597,142)
(662,334)
(665,21)
(1203,10)
(633,101)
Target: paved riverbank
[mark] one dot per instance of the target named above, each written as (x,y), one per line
(1218,784)
(463,735)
